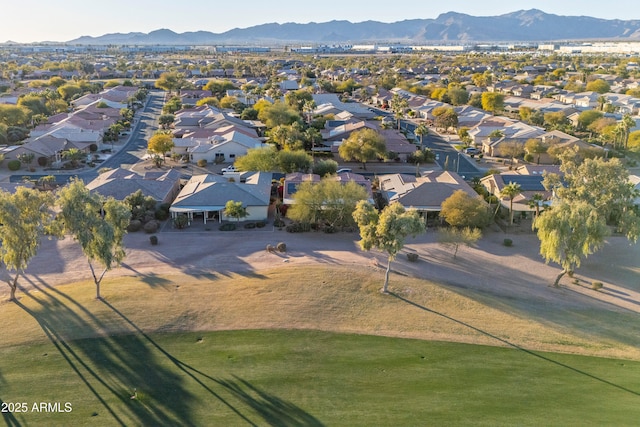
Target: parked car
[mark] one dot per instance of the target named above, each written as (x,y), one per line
(344,170)
(471,150)
(229,169)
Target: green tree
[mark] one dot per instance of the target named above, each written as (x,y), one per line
(328,201)
(209,100)
(219,87)
(263,159)
(363,145)
(96,223)
(69,91)
(585,118)
(169,81)
(511,149)
(398,105)
(510,191)
(276,114)
(419,157)
(386,230)
(25,217)
(233,209)
(421,131)
(599,86)
(160,144)
(454,237)
(534,146)
(74,155)
(166,120)
(294,161)
(325,167)
(492,102)
(463,210)
(569,232)
(13,115)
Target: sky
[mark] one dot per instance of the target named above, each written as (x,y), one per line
(27,21)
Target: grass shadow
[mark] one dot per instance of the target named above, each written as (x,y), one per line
(9,419)
(515,346)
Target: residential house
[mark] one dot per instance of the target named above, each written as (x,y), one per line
(118,183)
(424,193)
(293,180)
(216,149)
(530,185)
(205,196)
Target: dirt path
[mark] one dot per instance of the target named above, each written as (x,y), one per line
(516,272)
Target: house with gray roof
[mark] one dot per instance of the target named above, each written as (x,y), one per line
(163,186)
(205,196)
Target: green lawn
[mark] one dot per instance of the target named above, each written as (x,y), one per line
(309,378)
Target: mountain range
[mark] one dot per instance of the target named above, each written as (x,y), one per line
(524,26)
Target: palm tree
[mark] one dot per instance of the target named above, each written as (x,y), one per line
(421,131)
(398,105)
(74,155)
(510,190)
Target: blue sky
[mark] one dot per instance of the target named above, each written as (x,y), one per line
(40,20)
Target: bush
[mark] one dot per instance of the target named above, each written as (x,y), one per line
(14,165)
(134,225)
(153,239)
(261,224)
(413,257)
(250,225)
(180,221)
(278,223)
(227,227)
(43,161)
(151,226)
(507,242)
(330,229)
(528,158)
(93,148)
(298,227)
(202,162)
(281,247)
(596,286)
(271,248)
(161,214)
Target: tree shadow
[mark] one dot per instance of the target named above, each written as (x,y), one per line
(9,419)
(112,367)
(515,346)
(273,410)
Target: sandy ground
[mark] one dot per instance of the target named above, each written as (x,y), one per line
(490,268)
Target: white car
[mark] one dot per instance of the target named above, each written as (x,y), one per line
(344,170)
(229,169)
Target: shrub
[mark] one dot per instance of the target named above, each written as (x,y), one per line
(161,214)
(14,165)
(507,242)
(271,248)
(202,162)
(93,148)
(227,227)
(180,221)
(43,161)
(250,225)
(261,224)
(596,286)
(278,223)
(281,247)
(153,239)
(151,226)
(413,257)
(330,229)
(298,227)
(134,225)
(528,157)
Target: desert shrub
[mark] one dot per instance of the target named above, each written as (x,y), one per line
(261,224)
(180,221)
(596,286)
(250,225)
(161,214)
(43,161)
(507,242)
(14,165)
(271,248)
(281,247)
(298,227)
(153,239)
(134,225)
(329,229)
(202,162)
(413,257)
(278,223)
(151,226)
(528,157)
(93,148)
(227,227)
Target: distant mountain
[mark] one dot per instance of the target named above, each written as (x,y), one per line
(523,25)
